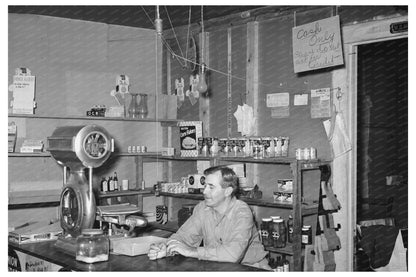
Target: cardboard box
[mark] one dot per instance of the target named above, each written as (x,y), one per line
(190,132)
(133,246)
(35,232)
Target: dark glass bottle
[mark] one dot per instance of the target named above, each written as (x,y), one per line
(115,179)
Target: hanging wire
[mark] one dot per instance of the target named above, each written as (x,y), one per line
(173,29)
(179,58)
(202,35)
(163,39)
(187,34)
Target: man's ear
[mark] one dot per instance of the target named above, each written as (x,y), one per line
(228,191)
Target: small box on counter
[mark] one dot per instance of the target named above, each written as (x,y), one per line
(168,151)
(196,183)
(190,132)
(283,197)
(35,232)
(285,185)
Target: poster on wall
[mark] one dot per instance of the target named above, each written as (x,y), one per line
(317,45)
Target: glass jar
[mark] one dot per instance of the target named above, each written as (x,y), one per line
(185,213)
(306,235)
(279,233)
(92,246)
(265,231)
(134,106)
(142,109)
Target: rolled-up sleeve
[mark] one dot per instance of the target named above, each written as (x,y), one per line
(190,232)
(233,249)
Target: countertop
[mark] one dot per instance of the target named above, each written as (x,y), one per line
(48,252)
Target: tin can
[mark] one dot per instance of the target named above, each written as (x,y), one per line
(278,147)
(233,147)
(222,147)
(208,144)
(313,153)
(306,154)
(267,147)
(214,147)
(161,214)
(129,149)
(299,153)
(285,146)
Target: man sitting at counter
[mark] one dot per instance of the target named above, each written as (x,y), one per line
(224,224)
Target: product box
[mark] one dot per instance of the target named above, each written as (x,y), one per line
(190,132)
(196,183)
(12,135)
(35,232)
(285,185)
(23,262)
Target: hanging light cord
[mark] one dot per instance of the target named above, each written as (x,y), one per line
(202,35)
(179,58)
(173,29)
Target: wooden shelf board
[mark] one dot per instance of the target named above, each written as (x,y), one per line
(171,226)
(125,193)
(172,122)
(288,250)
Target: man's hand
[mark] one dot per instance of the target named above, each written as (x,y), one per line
(157,251)
(174,246)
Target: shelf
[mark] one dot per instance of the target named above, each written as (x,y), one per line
(33,155)
(117,154)
(305,164)
(306,209)
(285,250)
(171,226)
(166,122)
(125,193)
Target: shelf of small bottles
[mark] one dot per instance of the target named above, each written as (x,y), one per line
(287,250)
(306,209)
(109,194)
(166,122)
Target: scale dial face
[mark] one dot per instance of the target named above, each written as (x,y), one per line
(96,145)
(70,208)
(77,211)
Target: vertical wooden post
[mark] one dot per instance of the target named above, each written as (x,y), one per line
(297,215)
(252,84)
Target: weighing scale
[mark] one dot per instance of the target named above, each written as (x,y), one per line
(79,149)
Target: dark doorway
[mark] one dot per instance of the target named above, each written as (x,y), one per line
(382,133)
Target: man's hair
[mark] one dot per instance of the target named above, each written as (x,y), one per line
(229,178)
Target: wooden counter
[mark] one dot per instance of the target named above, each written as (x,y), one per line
(47,251)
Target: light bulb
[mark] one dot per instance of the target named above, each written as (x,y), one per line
(202,84)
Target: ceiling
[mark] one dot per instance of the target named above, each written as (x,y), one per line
(134,16)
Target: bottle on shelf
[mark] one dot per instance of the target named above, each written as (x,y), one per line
(104,185)
(286,267)
(290,229)
(110,184)
(115,179)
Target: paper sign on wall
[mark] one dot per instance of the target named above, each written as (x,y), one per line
(321,103)
(274,100)
(300,100)
(317,45)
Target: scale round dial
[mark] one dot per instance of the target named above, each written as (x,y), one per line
(96,145)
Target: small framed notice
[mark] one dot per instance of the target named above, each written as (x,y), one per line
(317,45)
(321,103)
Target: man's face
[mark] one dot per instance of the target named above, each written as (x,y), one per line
(214,194)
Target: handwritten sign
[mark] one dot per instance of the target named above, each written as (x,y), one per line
(317,45)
